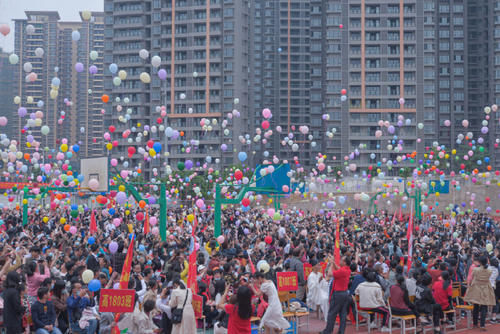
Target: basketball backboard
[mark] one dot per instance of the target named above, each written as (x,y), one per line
(95,168)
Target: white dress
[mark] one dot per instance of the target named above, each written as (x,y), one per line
(317,295)
(273,317)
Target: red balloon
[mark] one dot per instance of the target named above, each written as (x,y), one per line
(238,175)
(245,202)
(343,91)
(150,143)
(268,239)
(131,151)
(111,128)
(487,199)
(159,120)
(139,216)
(265,125)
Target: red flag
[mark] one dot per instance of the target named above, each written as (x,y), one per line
(93,224)
(192,272)
(146,223)
(125,277)
(400,213)
(252,267)
(336,251)
(394,217)
(409,235)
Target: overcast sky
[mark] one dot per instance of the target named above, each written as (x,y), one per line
(68,10)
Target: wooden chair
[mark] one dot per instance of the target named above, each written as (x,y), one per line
(403,319)
(464,307)
(366,314)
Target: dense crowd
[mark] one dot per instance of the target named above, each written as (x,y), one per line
(44,264)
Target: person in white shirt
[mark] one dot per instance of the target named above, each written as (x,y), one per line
(371,297)
(317,286)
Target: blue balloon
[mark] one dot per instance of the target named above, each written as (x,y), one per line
(91,240)
(157,147)
(112,211)
(76,148)
(142,248)
(113,68)
(242,156)
(95,285)
(74,207)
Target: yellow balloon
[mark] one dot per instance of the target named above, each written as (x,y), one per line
(138,125)
(64,147)
(127,212)
(121,187)
(63,220)
(28,144)
(45,219)
(152,152)
(25,201)
(190,218)
(109,146)
(130,228)
(437,194)
(122,75)
(453,151)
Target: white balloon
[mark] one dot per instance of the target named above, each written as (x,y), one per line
(39,52)
(27,67)
(144,54)
(156,61)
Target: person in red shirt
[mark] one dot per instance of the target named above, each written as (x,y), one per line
(340,299)
(239,310)
(442,292)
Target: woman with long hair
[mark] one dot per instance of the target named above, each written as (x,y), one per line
(480,292)
(59,298)
(400,299)
(239,310)
(36,273)
(182,298)
(13,310)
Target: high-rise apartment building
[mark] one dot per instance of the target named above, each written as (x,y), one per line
(75,113)
(203,45)
(7,84)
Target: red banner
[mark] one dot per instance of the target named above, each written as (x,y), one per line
(127,265)
(324,265)
(287,281)
(197,303)
(119,301)
(307,270)
(336,251)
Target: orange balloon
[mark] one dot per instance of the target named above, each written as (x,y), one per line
(26,156)
(139,170)
(105,98)
(489,167)
(59,196)
(182,133)
(142,204)
(69,172)
(447,225)
(66,227)
(17,207)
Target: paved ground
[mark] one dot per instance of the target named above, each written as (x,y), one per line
(316,326)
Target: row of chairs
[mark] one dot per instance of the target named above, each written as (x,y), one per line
(412,320)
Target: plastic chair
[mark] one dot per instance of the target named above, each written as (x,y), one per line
(403,319)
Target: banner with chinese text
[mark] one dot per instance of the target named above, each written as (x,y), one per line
(287,281)
(117,301)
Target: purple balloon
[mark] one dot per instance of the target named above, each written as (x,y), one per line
(151,200)
(32,115)
(113,247)
(92,69)
(29,138)
(175,135)
(121,197)
(22,111)
(223,147)
(188,164)
(162,74)
(79,67)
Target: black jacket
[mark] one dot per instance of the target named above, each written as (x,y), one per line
(93,263)
(13,310)
(43,314)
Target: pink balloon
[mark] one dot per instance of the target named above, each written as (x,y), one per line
(4,29)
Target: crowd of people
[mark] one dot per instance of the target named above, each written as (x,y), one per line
(43,264)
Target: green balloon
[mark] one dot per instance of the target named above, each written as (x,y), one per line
(180,165)
(74,213)
(481,149)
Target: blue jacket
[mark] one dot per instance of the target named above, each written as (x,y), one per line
(77,305)
(43,314)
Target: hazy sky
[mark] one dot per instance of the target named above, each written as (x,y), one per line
(68,10)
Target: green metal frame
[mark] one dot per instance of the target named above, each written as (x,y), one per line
(219,201)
